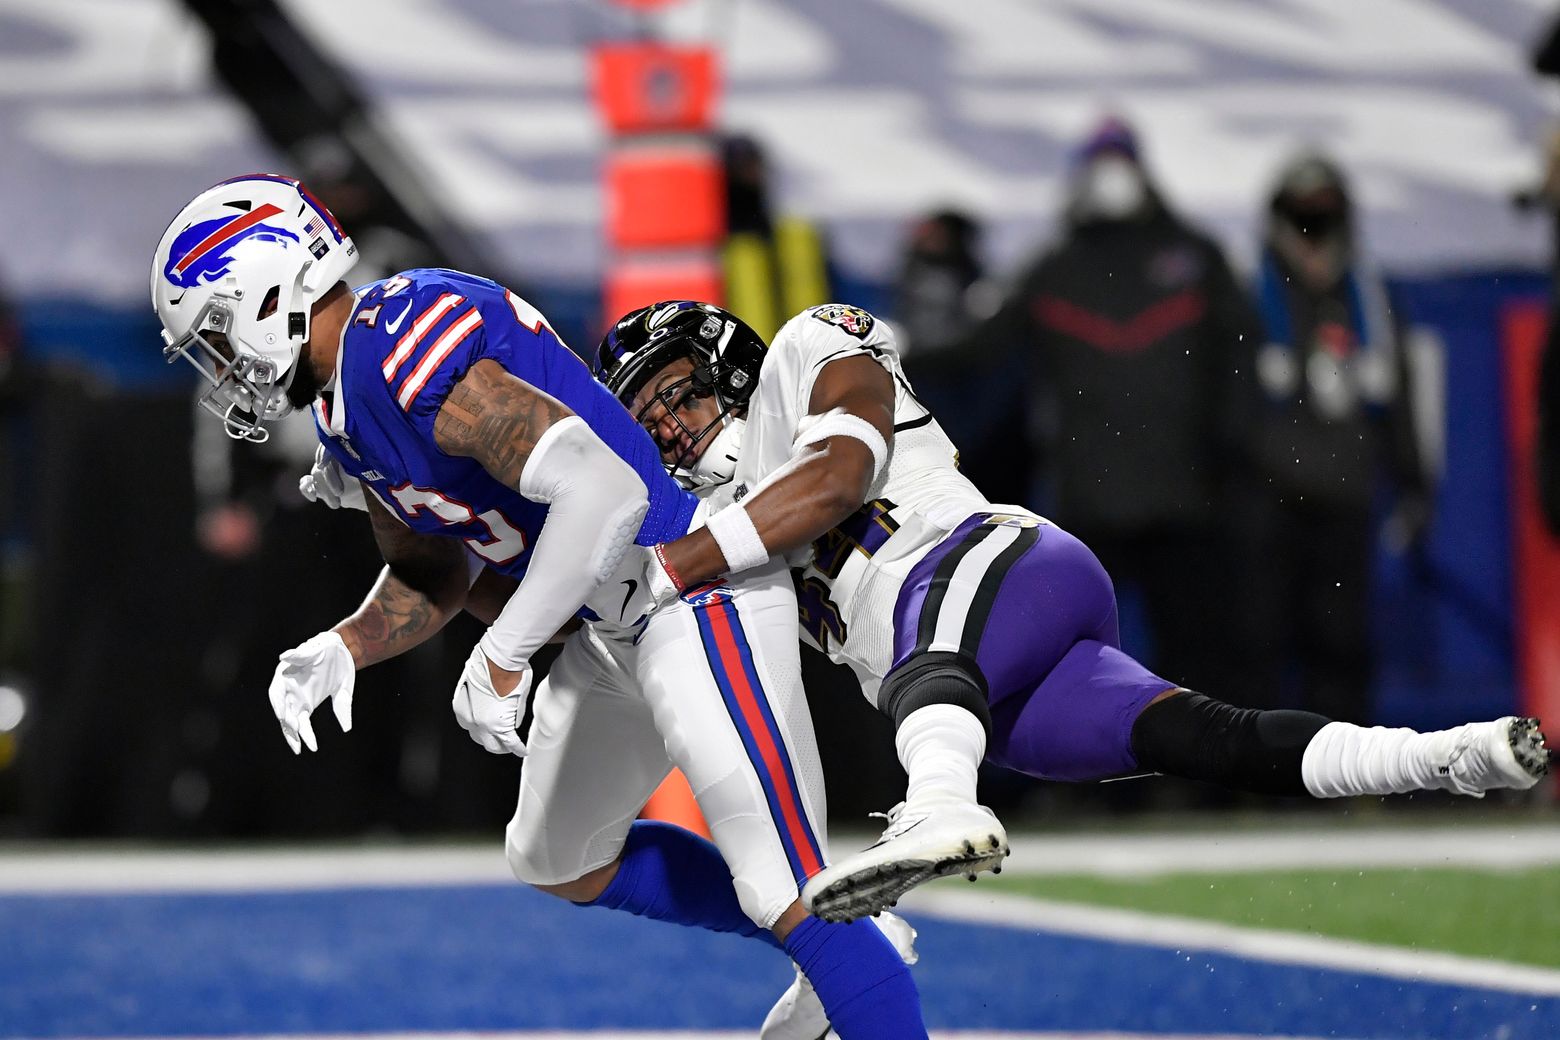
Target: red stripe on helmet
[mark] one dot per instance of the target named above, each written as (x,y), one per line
(224,233)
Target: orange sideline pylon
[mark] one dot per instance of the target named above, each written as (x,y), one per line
(673,803)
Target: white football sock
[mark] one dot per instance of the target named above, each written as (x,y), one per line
(1344,759)
(941,746)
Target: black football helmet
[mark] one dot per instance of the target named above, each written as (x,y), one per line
(726,354)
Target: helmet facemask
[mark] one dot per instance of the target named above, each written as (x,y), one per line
(715,464)
(242,387)
(724,357)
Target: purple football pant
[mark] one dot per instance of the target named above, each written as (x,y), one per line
(1037,611)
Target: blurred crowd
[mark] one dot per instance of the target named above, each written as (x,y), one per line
(1223,443)
(1234,445)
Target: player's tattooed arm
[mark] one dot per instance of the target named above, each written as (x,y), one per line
(595,502)
(496,419)
(820,486)
(422,586)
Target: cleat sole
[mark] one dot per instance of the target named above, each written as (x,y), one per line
(1527,745)
(876,888)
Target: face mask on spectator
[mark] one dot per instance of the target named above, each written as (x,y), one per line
(1110,188)
(1314,238)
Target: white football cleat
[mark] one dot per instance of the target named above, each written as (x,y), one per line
(798,1014)
(921,842)
(1488,756)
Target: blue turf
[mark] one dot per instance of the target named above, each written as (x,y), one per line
(505,958)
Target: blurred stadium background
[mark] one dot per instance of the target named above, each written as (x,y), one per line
(167,868)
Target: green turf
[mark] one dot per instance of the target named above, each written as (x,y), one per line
(1512,916)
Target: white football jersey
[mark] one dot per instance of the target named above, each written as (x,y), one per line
(850,577)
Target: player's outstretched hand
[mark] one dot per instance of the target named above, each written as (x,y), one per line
(327,484)
(318,668)
(490,717)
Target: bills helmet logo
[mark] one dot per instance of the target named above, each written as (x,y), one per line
(200,254)
(853,320)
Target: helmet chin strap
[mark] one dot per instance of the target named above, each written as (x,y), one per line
(717,464)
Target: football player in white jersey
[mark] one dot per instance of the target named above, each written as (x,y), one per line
(983,631)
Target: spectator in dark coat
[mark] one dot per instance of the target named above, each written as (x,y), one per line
(1336,417)
(1133,325)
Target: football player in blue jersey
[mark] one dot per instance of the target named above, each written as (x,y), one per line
(476,433)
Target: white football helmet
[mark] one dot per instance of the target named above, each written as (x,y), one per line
(247,259)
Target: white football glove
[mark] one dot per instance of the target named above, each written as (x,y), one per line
(490,719)
(318,668)
(327,484)
(638,588)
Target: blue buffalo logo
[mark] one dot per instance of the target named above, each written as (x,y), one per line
(201,252)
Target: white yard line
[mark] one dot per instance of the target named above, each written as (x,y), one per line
(84,868)
(107,868)
(1191,936)
(1483,846)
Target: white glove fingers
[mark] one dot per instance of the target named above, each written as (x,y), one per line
(487,717)
(282,706)
(306,731)
(291,659)
(341,703)
(278,698)
(320,667)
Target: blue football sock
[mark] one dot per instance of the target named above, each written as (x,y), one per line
(671,874)
(861,980)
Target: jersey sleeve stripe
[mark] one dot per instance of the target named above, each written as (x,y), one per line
(452,338)
(425,321)
(526,314)
(839,354)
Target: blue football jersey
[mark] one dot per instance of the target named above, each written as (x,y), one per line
(409,340)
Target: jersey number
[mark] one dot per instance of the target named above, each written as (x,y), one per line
(864,531)
(504,541)
(819,616)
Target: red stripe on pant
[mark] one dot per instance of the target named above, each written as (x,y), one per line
(744,687)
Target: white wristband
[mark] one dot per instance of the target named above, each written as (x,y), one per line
(839,423)
(738,539)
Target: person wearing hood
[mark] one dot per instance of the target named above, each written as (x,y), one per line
(1335,418)
(1131,325)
